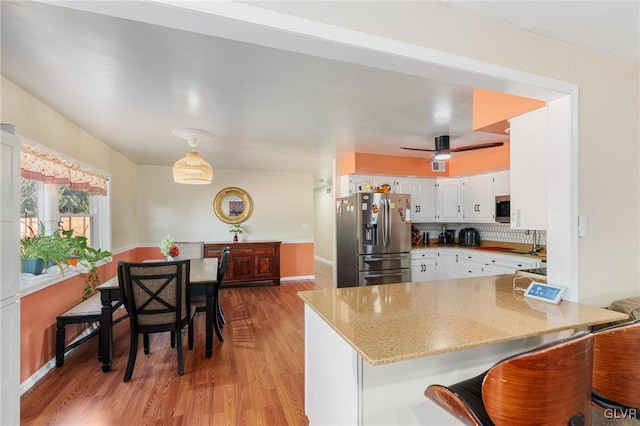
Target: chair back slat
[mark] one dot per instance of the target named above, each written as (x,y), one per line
(551,385)
(616,364)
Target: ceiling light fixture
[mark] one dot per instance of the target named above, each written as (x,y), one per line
(192,169)
(442,156)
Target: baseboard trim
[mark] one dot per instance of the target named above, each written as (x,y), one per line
(298,278)
(323,260)
(51,364)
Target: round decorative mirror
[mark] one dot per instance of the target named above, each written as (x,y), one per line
(232,205)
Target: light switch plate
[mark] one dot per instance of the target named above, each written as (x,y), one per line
(582,226)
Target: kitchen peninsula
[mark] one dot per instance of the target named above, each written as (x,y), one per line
(371,351)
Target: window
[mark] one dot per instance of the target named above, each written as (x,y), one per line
(59,193)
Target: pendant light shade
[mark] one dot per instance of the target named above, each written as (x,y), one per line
(192,169)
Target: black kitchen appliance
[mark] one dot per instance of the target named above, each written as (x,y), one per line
(469,237)
(503,208)
(447,236)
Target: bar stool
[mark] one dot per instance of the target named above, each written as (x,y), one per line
(550,384)
(616,369)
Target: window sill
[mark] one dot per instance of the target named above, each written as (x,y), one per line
(30,283)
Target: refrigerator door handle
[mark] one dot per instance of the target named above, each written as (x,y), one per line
(387,223)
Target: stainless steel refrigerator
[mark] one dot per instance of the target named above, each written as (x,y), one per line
(373,238)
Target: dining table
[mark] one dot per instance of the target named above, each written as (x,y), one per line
(202,280)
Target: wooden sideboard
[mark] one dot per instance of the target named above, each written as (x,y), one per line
(249,261)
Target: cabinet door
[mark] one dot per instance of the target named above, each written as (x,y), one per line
(501,183)
(449,200)
(448,264)
(423,198)
(478,199)
(529,170)
(360,183)
(265,263)
(241,264)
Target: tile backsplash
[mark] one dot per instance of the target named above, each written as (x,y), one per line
(488,231)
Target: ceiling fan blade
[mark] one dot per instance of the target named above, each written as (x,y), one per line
(479,146)
(418,149)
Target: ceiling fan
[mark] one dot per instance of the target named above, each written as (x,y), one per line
(443,151)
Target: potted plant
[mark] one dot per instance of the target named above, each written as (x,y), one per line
(236,229)
(42,250)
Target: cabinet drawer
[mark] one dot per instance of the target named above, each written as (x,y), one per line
(264,250)
(241,252)
(514,264)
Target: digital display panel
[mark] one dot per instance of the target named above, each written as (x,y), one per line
(545,292)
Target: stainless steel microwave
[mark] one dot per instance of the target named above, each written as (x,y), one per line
(503,208)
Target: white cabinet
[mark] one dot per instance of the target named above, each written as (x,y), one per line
(471,263)
(478,198)
(10,279)
(354,183)
(448,264)
(528,170)
(423,198)
(502,183)
(423,265)
(449,200)
(496,264)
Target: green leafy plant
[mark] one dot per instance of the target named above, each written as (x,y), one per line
(51,248)
(61,245)
(237,228)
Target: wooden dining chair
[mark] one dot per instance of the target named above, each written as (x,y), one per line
(616,370)
(200,302)
(157,300)
(550,384)
(190,250)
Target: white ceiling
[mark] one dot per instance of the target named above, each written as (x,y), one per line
(130,83)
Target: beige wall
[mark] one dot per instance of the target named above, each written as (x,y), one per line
(282,204)
(609,105)
(325,223)
(40,123)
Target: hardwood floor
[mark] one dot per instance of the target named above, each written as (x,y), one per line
(255,377)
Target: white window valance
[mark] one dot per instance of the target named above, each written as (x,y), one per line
(44,166)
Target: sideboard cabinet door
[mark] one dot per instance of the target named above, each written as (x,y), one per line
(249,262)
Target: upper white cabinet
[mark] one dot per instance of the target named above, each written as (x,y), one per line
(467,199)
(351,184)
(478,198)
(423,193)
(528,170)
(502,183)
(449,200)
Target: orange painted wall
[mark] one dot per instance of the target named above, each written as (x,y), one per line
(491,110)
(38,311)
(480,161)
(484,160)
(296,259)
(386,165)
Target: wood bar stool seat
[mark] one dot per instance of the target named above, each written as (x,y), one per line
(550,384)
(616,369)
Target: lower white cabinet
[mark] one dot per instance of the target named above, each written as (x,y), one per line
(448,262)
(423,265)
(451,263)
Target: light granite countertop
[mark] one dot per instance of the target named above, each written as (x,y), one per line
(396,322)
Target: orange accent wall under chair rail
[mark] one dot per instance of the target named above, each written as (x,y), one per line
(39,310)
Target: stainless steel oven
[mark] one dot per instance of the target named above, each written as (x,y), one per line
(503,208)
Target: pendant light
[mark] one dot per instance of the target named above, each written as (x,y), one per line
(192,169)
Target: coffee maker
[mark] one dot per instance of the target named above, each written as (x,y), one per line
(469,237)
(447,236)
